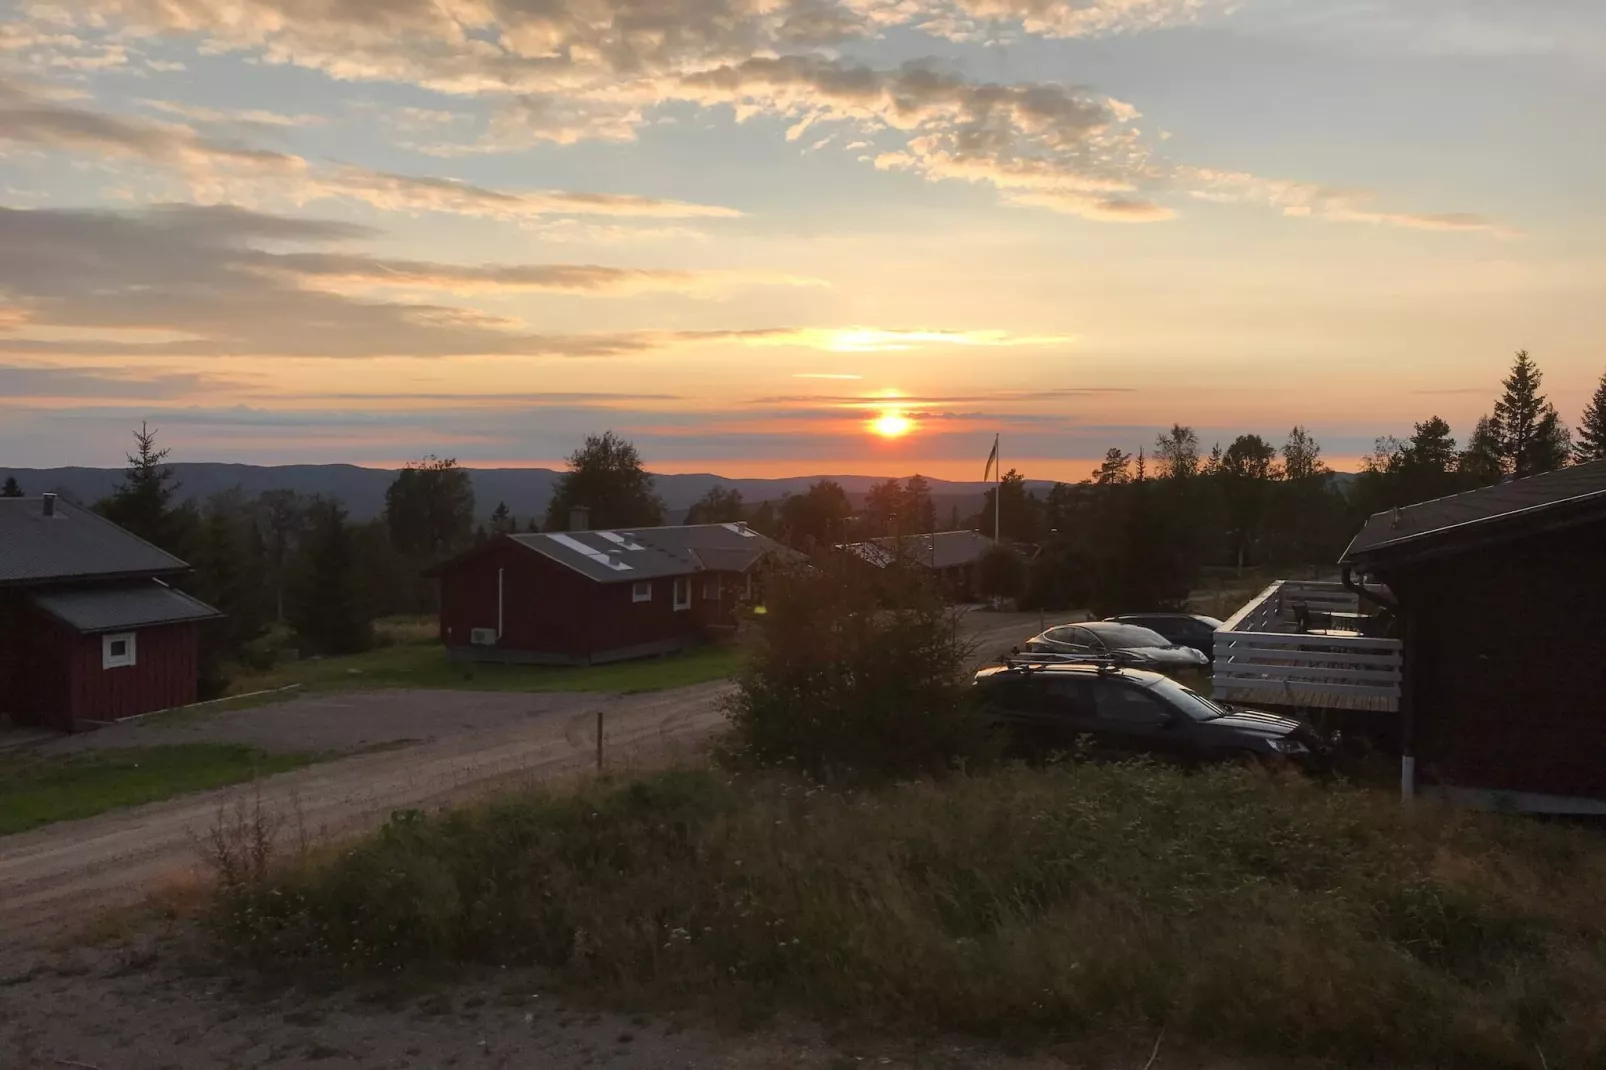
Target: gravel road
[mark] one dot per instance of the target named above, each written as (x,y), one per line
(61,874)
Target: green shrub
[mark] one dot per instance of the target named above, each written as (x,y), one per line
(1239,912)
(855,670)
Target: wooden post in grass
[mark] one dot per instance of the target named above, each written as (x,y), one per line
(599,739)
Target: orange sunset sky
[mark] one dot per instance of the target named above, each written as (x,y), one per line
(777,237)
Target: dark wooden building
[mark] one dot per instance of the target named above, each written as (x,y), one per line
(584,597)
(950,556)
(89,630)
(1502,601)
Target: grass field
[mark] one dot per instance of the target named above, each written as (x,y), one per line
(1236,912)
(38,789)
(425,665)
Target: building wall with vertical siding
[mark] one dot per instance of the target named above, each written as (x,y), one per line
(1508,663)
(552,613)
(163,675)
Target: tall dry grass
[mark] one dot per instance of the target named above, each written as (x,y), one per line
(1239,912)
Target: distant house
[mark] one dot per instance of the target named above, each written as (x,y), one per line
(89,629)
(951,556)
(583,597)
(1502,600)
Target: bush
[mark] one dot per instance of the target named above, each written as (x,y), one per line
(856,671)
(1239,912)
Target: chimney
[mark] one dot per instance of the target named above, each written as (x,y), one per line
(47,501)
(580,518)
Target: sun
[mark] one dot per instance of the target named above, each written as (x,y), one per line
(892,424)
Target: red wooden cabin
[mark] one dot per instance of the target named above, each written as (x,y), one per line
(584,597)
(89,630)
(1501,593)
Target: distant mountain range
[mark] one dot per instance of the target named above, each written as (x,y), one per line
(525,490)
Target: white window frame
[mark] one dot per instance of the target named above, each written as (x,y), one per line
(127,659)
(641,591)
(682,592)
(711,584)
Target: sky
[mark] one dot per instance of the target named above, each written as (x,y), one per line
(781,237)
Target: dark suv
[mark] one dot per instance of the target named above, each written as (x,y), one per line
(1117,713)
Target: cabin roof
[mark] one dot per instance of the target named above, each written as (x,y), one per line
(73,543)
(624,556)
(108,609)
(1501,511)
(937,549)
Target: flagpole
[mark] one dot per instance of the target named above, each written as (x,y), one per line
(998,490)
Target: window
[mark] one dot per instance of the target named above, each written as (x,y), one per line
(117,651)
(711,589)
(1125,706)
(1071,697)
(641,591)
(482,636)
(682,592)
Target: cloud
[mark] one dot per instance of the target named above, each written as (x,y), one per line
(563,71)
(30,117)
(336,268)
(33,382)
(1301,200)
(199,273)
(249,117)
(393,192)
(880,340)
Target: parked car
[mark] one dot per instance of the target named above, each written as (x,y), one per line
(1183,629)
(1118,714)
(1127,644)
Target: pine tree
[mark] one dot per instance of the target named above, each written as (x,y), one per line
(329,612)
(1531,436)
(1591,444)
(142,502)
(12,488)
(502,521)
(1481,463)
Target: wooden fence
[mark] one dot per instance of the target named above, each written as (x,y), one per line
(1262,656)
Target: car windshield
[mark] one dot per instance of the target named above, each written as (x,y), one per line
(1128,636)
(1188,701)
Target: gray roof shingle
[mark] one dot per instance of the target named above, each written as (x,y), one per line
(938,549)
(107,609)
(649,553)
(75,543)
(1422,525)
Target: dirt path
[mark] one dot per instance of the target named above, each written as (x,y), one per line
(63,873)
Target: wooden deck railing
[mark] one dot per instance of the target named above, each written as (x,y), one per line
(1262,656)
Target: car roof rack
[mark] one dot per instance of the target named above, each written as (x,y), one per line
(1032,662)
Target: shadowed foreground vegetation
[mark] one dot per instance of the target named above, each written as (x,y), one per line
(1240,913)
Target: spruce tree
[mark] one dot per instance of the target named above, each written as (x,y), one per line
(330,613)
(1591,444)
(12,488)
(143,501)
(1531,436)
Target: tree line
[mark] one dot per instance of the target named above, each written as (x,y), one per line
(290,568)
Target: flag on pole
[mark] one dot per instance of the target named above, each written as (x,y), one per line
(992,461)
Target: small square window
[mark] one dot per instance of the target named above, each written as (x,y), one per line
(711,589)
(117,651)
(641,591)
(682,592)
